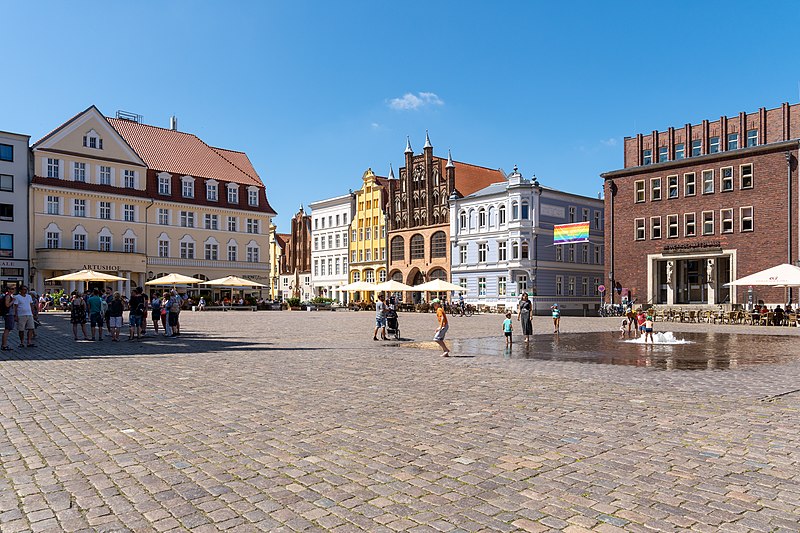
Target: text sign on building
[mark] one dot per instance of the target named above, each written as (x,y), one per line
(571,233)
(692,247)
(102,268)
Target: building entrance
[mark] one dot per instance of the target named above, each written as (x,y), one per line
(700,281)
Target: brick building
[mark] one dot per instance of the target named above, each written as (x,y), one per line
(698,206)
(419,213)
(295,269)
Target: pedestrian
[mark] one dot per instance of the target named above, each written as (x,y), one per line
(201,305)
(524,315)
(441,331)
(108,297)
(77,315)
(7,312)
(648,328)
(556,317)
(155,314)
(380,318)
(175,302)
(165,315)
(96,314)
(137,311)
(640,320)
(24,311)
(115,311)
(623,328)
(508,327)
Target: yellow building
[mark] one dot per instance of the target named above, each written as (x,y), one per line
(122,197)
(277,247)
(368,234)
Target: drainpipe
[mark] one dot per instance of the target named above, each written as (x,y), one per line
(146,242)
(612,187)
(789,212)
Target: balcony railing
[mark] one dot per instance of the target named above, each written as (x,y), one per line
(206,263)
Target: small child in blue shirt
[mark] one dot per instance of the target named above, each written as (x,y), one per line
(508,328)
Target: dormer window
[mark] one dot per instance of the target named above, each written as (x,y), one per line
(252,196)
(164,184)
(211,190)
(187,187)
(92,140)
(233,193)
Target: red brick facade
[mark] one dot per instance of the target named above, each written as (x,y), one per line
(744,209)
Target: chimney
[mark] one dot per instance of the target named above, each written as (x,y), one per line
(173,123)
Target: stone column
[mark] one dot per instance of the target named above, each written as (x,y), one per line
(711,279)
(671,281)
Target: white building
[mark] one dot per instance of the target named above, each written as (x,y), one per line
(14,239)
(502,238)
(330,223)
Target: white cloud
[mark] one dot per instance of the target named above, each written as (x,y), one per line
(611,141)
(375,126)
(415,101)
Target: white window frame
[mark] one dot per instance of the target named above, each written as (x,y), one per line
(655,228)
(639,191)
(743,175)
(723,220)
(105,175)
(711,220)
(656,189)
(673,230)
(164,184)
(707,177)
(79,171)
(723,180)
(744,218)
(79,209)
(212,191)
(689,220)
(129,179)
(690,180)
(673,188)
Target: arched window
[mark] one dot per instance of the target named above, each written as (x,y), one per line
(438,244)
(501,213)
(398,249)
(515,250)
(435,217)
(79,237)
(514,211)
(525,249)
(397,205)
(417,246)
(524,210)
(438,273)
(105,238)
(435,198)
(381,275)
(481,218)
(492,217)
(356,276)
(472,220)
(397,276)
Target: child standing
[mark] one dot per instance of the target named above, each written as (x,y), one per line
(640,320)
(508,329)
(556,317)
(441,331)
(623,328)
(648,328)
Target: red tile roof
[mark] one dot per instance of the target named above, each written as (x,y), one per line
(472,178)
(176,152)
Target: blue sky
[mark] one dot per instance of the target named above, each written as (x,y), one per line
(316,92)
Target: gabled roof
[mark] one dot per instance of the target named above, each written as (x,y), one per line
(472,178)
(177,152)
(282,238)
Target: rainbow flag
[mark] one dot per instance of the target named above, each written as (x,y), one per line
(571,233)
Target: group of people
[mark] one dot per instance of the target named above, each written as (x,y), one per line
(107,309)
(637,324)
(525,316)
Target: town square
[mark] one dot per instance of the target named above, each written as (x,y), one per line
(368,266)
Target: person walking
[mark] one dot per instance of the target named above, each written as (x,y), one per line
(165,315)
(137,310)
(441,331)
(24,311)
(115,310)
(96,314)
(556,317)
(108,297)
(175,302)
(77,315)
(155,314)
(380,318)
(7,312)
(524,316)
(508,329)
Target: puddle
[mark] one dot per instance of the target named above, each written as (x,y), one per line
(678,351)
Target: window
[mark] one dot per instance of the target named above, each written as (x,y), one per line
(571,286)
(663,154)
(462,220)
(752,137)
(79,171)
(462,282)
(369,255)
(597,220)
(481,286)
(344,238)
(746,176)
(316,243)
(713,145)
(233,224)
(708,223)
(130,179)
(129,213)
(585,253)
(105,243)
(53,239)
(233,195)
(514,211)
(105,175)
(439,244)
(501,212)
(163,248)
(584,214)
(689,184)
(680,151)
(571,253)
(344,218)
(211,192)
(640,194)
(187,219)
(79,241)
(483,250)
(655,189)
(726,179)
(559,285)
(187,250)
(647,157)
(212,222)
(733,141)
(316,223)
(672,226)
(501,251)
(689,225)
(398,249)
(726,220)
(105,210)
(53,167)
(745,219)
(129,245)
(481,218)
(187,189)
(353,256)
(501,286)
(655,227)
(572,213)
(598,254)
(524,249)
(212,252)
(6,152)
(252,225)
(524,210)
(164,186)
(585,287)
(252,254)
(367,233)
(79,207)
(462,254)
(596,286)
(708,181)
(6,183)
(672,187)
(515,250)
(53,205)
(417,247)
(697,147)
(360,234)
(559,253)
(252,197)
(163,217)
(337,265)
(233,252)
(640,229)
(338,241)
(522,284)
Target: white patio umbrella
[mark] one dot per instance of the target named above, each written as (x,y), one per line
(439,285)
(358,286)
(173,279)
(786,275)
(393,286)
(87,275)
(232,281)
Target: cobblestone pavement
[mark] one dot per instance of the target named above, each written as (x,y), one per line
(295,421)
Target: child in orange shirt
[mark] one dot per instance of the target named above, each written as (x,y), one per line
(441,331)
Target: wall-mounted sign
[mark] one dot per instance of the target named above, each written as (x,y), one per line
(690,247)
(102,268)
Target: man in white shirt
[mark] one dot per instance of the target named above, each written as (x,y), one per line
(24,311)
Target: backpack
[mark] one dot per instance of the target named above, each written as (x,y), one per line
(103,307)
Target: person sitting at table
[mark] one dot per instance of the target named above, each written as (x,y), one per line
(789,308)
(777,317)
(763,310)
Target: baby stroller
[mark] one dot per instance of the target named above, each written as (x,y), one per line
(392,326)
